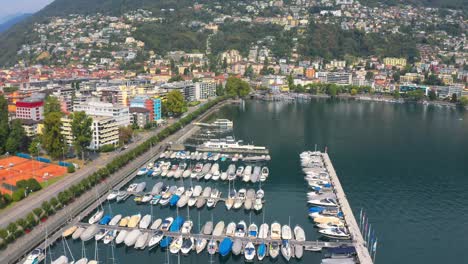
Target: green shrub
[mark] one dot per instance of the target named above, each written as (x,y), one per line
(38,212)
(107,148)
(71,169)
(18,195)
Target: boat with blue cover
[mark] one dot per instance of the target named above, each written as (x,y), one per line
(165,242)
(177,224)
(261,251)
(105,220)
(174,199)
(225,246)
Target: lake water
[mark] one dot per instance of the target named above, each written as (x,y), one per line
(406,165)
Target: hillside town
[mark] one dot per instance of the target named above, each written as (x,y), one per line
(97,63)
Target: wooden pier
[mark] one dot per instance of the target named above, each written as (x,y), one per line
(245,240)
(353,227)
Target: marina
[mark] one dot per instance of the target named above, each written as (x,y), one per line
(254,242)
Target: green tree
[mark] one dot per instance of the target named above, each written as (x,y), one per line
(125,134)
(237,87)
(175,103)
(176,78)
(464,100)
(51,105)
(353,91)
(4,128)
(220,90)
(17,140)
(52,138)
(249,72)
(432,95)
(416,95)
(81,130)
(34,146)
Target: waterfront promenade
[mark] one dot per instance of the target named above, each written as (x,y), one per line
(55,223)
(353,227)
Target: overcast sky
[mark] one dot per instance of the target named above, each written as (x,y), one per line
(9,7)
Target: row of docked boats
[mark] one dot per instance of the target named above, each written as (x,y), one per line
(324,208)
(251,240)
(196,196)
(206,171)
(211,156)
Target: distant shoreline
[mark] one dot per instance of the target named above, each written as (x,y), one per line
(385,99)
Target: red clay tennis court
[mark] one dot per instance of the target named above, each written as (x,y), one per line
(13,169)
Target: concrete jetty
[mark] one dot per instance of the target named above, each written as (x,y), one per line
(353,227)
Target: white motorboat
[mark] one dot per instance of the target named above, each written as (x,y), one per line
(274,249)
(219,229)
(115,220)
(215,172)
(112,195)
(240,171)
(237,247)
(187,227)
(157,188)
(101,234)
(145,221)
(212,247)
(142,241)
(240,229)
(207,228)
(78,233)
(215,194)
(275,231)
(240,198)
(134,220)
(132,237)
(264,229)
(324,202)
(82,261)
(249,252)
(36,256)
(96,217)
(155,239)
(247,173)
(264,174)
(60,260)
(110,236)
(142,171)
(176,245)
(166,224)
(140,187)
(256,174)
(89,232)
(187,245)
(252,231)
(156,224)
(205,169)
(196,170)
(223,176)
(187,173)
(336,233)
(200,244)
(299,234)
(121,236)
(286,232)
(286,249)
(172,171)
(146,198)
(206,192)
(330,225)
(231,229)
(183,200)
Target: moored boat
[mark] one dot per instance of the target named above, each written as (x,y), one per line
(249,251)
(225,246)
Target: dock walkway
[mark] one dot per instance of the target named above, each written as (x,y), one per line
(353,227)
(321,244)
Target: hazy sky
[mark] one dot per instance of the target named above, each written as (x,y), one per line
(9,7)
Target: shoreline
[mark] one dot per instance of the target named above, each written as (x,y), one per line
(382,99)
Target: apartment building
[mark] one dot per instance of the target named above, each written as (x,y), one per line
(119,113)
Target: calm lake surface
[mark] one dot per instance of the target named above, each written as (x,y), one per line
(405,165)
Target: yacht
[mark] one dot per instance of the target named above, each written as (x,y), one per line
(112,195)
(240,229)
(219,229)
(249,251)
(247,173)
(336,233)
(228,143)
(253,231)
(96,217)
(324,202)
(187,227)
(36,256)
(166,224)
(156,224)
(187,245)
(264,174)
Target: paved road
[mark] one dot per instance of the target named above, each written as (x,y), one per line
(25,206)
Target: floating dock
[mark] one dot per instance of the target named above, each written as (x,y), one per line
(353,227)
(257,241)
